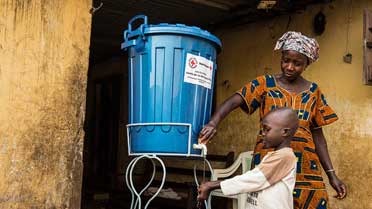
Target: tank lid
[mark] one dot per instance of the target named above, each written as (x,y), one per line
(165,28)
(179,29)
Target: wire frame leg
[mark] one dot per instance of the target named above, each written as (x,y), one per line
(136,196)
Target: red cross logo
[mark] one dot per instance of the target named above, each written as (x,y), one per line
(193,63)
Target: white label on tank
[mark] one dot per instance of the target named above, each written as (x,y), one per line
(198,70)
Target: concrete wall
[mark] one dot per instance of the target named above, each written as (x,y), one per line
(44,49)
(247,53)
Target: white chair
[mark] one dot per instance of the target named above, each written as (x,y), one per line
(244,159)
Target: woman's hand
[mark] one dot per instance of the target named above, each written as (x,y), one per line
(338,185)
(226,107)
(207,133)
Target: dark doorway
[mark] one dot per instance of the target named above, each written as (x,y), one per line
(101,150)
(105,144)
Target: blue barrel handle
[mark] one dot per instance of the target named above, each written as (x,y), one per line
(130,43)
(137,17)
(127,44)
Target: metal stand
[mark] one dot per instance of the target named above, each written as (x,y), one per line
(136,202)
(136,197)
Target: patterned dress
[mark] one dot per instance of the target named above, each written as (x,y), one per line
(265,94)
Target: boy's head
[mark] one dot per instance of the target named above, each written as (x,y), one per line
(279,126)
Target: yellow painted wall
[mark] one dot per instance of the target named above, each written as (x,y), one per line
(44,49)
(247,53)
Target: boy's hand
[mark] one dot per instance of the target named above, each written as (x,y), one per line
(338,185)
(206,134)
(203,191)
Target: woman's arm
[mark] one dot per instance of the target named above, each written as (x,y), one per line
(209,130)
(322,151)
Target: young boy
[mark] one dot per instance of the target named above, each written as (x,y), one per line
(270,184)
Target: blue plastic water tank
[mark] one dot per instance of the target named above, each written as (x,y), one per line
(171,77)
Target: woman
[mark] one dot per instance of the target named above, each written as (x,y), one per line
(290,89)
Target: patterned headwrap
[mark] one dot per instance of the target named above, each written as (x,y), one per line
(297,42)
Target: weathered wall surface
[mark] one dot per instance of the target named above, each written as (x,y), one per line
(44,49)
(247,53)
